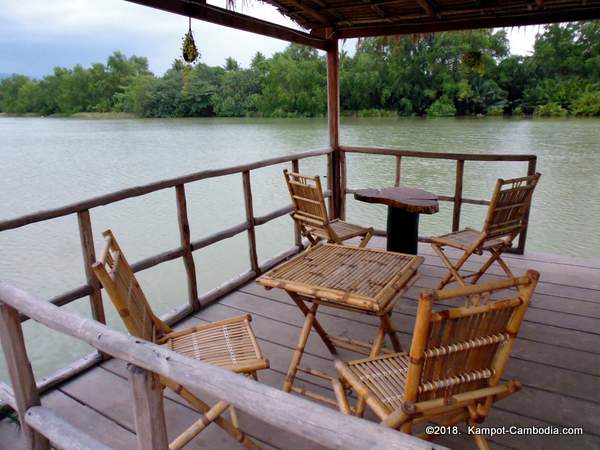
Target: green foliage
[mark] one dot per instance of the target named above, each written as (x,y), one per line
(551,109)
(587,104)
(442,74)
(442,107)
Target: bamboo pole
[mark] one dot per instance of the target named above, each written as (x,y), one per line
(21,376)
(148,410)
(250,222)
(297,231)
(185,240)
(531,169)
(89,258)
(458,188)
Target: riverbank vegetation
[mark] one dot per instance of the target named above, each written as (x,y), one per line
(444,74)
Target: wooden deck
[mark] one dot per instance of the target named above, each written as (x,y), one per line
(557,358)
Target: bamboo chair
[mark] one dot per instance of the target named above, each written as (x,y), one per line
(310,213)
(228,343)
(506,219)
(456,361)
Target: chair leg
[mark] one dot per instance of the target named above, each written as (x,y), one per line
(234,417)
(207,418)
(340,396)
(366,238)
(480,440)
(202,407)
(453,274)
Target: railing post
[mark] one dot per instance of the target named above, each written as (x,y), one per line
(89,257)
(185,240)
(398,170)
(148,412)
(20,373)
(458,188)
(297,232)
(531,168)
(334,160)
(250,221)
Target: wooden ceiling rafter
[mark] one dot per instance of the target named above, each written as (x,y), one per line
(328,20)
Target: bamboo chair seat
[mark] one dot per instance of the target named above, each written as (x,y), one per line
(465,239)
(454,369)
(343,230)
(229,343)
(310,213)
(506,219)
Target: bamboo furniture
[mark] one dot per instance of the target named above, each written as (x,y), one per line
(506,219)
(310,213)
(367,281)
(228,343)
(404,206)
(455,365)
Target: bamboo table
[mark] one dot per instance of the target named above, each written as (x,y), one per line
(404,206)
(364,280)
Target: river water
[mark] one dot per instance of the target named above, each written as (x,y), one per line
(47,163)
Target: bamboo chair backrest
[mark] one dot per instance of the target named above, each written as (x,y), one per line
(465,348)
(307,200)
(117,278)
(507,213)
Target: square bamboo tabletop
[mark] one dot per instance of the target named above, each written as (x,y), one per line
(357,278)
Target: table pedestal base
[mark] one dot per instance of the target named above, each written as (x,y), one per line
(402,231)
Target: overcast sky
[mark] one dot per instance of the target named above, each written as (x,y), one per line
(37,35)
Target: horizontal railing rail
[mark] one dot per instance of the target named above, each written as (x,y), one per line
(460,158)
(293,414)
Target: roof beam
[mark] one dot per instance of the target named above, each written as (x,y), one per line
(220,16)
(428,6)
(491,21)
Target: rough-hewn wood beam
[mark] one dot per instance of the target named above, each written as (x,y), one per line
(428,6)
(491,21)
(221,16)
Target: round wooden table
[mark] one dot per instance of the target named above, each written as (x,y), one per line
(404,206)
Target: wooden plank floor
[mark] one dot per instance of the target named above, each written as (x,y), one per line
(557,358)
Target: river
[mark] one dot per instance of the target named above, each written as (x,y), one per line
(48,162)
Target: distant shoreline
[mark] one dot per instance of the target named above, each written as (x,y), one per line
(344,115)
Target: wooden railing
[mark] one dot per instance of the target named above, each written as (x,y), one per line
(337,191)
(187,246)
(457,199)
(42,427)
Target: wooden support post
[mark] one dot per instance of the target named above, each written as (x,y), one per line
(333,119)
(398,170)
(531,168)
(460,167)
(297,232)
(148,412)
(185,239)
(250,220)
(20,373)
(89,257)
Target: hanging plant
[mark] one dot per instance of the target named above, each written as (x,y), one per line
(473,60)
(189,49)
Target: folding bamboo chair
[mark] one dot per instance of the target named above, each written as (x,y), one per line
(228,343)
(456,361)
(506,219)
(310,213)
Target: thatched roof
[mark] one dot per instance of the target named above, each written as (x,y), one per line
(338,19)
(359,18)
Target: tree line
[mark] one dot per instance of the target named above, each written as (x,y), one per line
(442,74)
